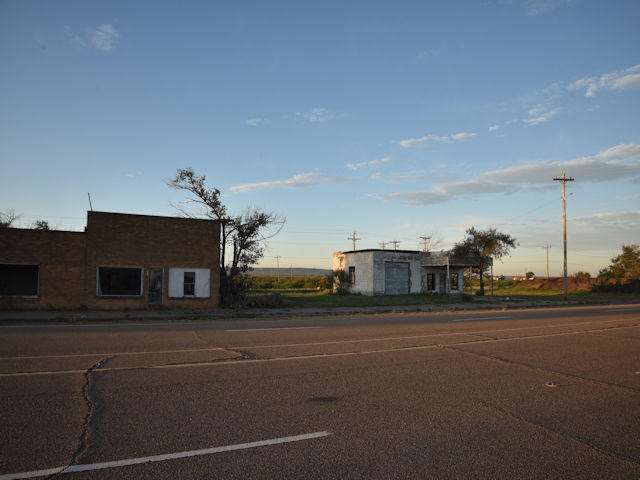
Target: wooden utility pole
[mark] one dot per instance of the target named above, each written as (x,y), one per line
(278,267)
(426,239)
(354,238)
(564,180)
(547,247)
(395,244)
(383,244)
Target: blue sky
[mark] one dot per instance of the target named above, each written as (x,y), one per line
(390,119)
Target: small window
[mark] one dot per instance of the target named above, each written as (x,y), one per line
(454,281)
(352,275)
(189,284)
(120,281)
(19,280)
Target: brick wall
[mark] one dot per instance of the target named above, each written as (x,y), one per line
(145,241)
(60,256)
(69,260)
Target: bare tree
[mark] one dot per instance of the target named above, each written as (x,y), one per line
(245,234)
(7,218)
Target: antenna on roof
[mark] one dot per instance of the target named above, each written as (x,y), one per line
(90,206)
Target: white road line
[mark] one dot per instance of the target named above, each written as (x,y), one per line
(114,354)
(474,319)
(268,329)
(97,324)
(160,458)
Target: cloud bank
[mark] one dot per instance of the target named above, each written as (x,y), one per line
(619,80)
(621,162)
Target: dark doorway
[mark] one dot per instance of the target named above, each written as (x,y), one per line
(155,287)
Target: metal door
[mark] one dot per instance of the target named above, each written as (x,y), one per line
(155,287)
(396,278)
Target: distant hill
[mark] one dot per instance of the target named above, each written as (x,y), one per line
(296,272)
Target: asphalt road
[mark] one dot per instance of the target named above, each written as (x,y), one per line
(550,393)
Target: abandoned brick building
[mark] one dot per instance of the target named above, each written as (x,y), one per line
(119,261)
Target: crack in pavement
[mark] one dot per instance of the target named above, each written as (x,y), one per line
(615,455)
(540,369)
(83,447)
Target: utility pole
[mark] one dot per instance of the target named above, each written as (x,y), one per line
(564,180)
(425,242)
(278,264)
(395,244)
(383,244)
(354,238)
(547,247)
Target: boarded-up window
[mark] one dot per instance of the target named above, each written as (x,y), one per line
(120,281)
(352,275)
(454,281)
(19,280)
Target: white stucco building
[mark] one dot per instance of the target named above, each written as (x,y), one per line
(401,272)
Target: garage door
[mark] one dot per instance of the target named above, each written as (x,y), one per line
(396,278)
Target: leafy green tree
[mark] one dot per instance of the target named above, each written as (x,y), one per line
(625,265)
(531,275)
(243,235)
(484,244)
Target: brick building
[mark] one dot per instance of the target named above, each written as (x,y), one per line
(119,261)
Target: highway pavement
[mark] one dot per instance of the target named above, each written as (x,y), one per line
(544,393)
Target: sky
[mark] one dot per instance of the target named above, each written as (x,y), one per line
(393,120)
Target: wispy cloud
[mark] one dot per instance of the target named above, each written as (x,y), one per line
(621,162)
(301,180)
(318,115)
(254,122)
(432,52)
(400,177)
(618,80)
(103,38)
(539,7)
(493,128)
(432,138)
(372,164)
(540,114)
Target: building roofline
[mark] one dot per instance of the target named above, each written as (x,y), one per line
(91,212)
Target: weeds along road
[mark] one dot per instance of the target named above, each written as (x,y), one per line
(551,393)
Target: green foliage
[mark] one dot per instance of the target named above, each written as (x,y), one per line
(484,244)
(265,282)
(340,282)
(625,265)
(581,274)
(530,275)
